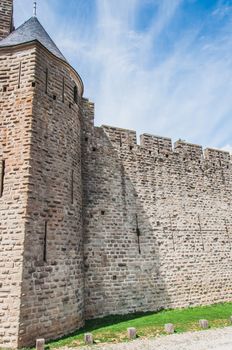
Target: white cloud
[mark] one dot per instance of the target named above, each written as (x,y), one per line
(227,148)
(184,92)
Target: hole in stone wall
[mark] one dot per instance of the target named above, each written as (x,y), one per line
(102,212)
(3,166)
(19,77)
(114,277)
(138,233)
(158,223)
(70,105)
(45,242)
(131,147)
(149,152)
(54,97)
(120,140)
(94,149)
(63,88)
(72,186)
(4,88)
(86,139)
(33,84)
(46,81)
(75,94)
(166,155)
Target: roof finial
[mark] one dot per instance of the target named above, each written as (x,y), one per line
(35,9)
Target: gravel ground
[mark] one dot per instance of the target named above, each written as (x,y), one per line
(219,339)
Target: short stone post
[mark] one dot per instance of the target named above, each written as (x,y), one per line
(204,324)
(88,337)
(169,328)
(40,344)
(131,332)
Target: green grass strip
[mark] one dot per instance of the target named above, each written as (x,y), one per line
(114,328)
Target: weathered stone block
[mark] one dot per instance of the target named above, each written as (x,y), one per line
(204,324)
(131,332)
(40,344)
(169,328)
(88,337)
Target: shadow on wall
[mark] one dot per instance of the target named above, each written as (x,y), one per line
(122,265)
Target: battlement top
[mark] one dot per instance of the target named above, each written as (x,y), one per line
(158,144)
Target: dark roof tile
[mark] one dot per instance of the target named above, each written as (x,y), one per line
(31,30)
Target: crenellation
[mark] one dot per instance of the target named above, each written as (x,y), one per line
(121,137)
(216,155)
(156,143)
(188,150)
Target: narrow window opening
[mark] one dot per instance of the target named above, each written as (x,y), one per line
(103,212)
(2,177)
(94,149)
(86,139)
(45,242)
(166,155)
(114,277)
(4,88)
(19,78)
(120,140)
(131,147)
(227,232)
(70,105)
(46,81)
(201,234)
(54,97)
(138,233)
(63,88)
(75,94)
(72,187)
(172,232)
(33,84)
(149,152)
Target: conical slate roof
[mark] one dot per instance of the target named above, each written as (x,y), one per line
(31,30)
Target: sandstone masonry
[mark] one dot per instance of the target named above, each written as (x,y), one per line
(91,222)
(6,16)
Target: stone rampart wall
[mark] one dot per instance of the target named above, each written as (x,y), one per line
(157,223)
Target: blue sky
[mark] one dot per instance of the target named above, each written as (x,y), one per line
(157,66)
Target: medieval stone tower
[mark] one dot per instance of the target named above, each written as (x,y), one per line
(41,245)
(92,223)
